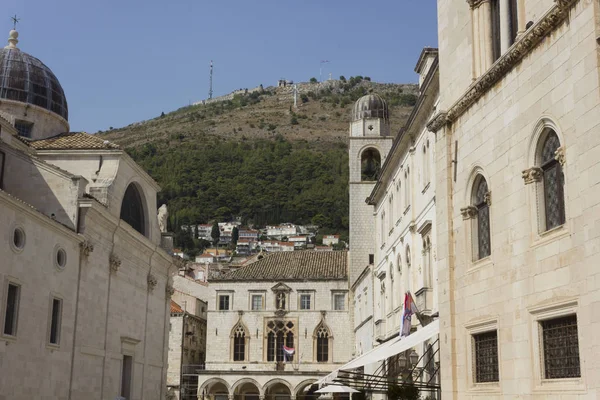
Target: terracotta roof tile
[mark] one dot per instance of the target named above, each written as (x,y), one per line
(175,308)
(72,141)
(305,265)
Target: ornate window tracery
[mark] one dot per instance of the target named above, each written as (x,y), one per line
(279,333)
(552,180)
(481,202)
(322,338)
(239,342)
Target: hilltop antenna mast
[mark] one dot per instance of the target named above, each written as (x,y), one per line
(321,69)
(210,91)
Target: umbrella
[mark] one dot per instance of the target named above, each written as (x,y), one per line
(336,389)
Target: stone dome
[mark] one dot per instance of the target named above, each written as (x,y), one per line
(26,79)
(370,106)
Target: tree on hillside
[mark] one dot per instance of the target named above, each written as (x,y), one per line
(235,235)
(313,80)
(215,233)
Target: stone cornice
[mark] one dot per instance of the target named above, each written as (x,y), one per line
(439,120)
(527,42)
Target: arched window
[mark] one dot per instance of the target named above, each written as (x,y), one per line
(383,227)
(408,272)
(132,209)
(481,204)
(280,333)
(370,165)
(391,211)
(407,188)
(322,337)
(399,197)
(239,342)
(427,279)
(425,165)
(392,299)
(552,181)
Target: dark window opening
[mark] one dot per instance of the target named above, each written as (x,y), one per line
(561,348)
(371,259)
(514,20)
(486,357)
(223,303)
(483,218)
(322,345)
(55,321)
(132,210)
(271,346)
(370,165)
(495,7)
(24,128)
(126,377)
(12,310)
(554,201)
(239,346)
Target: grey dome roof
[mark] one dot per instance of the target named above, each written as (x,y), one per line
(370,106)
(26,79)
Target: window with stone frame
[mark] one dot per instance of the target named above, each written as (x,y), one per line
(391,211)
(425,164)
(406,188)
(11,310)
(305,301)
(239,342)
(257,302)
(399,195)
(560,348)
(223,302)
(481,227)
(485,357)
(552,181)
(279,333)
(322,337)
(427,267)
(408,273)
(339,301)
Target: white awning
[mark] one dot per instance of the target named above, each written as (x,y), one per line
(336,389)
(388,349)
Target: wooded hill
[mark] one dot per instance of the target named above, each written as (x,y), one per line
(257,157)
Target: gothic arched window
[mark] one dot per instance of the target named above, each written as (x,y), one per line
(481,202)
(552,180)
(370,164)
(239,342)
(280,333)
(132,209)
(322,338)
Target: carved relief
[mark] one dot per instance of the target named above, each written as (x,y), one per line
(468,212)
(437,122)
(560,156)
(152,282)
(86,248)
(114,262)
(488,198)
(169,290)
(532,175)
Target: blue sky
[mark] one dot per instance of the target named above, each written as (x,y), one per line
(124,61)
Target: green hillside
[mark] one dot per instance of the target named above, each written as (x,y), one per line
(256,157)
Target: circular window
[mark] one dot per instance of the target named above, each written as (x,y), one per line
(60,258)
(18,239)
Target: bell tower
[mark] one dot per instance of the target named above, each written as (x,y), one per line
(370,142)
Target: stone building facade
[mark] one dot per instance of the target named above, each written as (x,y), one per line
(518,198)
(293,299)
(395,227)
(84,283)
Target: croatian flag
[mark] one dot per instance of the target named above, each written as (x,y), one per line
(288,353)
(409,309)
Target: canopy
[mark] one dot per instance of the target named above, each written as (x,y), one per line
(336,389)
(388,349)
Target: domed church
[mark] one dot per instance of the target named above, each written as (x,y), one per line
(85,279)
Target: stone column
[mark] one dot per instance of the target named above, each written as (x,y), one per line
(505,39)
(487,44)
(521,17)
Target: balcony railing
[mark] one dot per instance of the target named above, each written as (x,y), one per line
(192,369)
